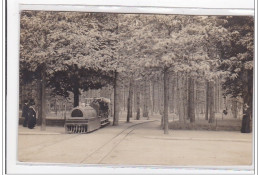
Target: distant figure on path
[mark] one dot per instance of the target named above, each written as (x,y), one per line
(225,111)
(25,111)
(31,115)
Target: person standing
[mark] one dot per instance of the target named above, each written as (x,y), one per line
(25,111)
(31,115)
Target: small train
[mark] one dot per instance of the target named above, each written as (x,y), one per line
(89,116)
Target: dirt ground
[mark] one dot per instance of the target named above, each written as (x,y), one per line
(136,143)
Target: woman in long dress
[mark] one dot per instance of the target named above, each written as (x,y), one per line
(31,116)
(25,113)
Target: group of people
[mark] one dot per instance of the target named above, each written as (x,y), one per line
(100,106)
(29,114)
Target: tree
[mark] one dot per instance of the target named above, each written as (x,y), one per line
(238,63)
(81,51)
(54,43)
(75,79)
(131,51)
(162,59)
(171,44)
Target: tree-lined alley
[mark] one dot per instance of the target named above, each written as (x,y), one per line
(186,65)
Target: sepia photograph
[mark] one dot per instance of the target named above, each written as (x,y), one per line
(123,89)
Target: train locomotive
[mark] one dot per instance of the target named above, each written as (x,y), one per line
(89,116)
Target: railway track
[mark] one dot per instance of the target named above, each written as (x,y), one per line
(39,147)
(98,155)
(94,157)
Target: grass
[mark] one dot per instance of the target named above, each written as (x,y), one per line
(217,125)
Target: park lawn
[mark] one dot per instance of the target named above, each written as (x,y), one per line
(218,125)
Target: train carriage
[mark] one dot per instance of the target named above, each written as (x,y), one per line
(89,116)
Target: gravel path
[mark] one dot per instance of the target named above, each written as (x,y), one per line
(135,143)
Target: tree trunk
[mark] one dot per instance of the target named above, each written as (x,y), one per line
(153,97)
(65,110)
(133,98)
(234,107)
(181,100)
(207,101)
(124,94)
(247,112)
(166,100)
(130,101)
(159,97)
(191,103)
(76,93)
(185,98)
(196,98)
(116,100)
(39,83)
(173,95)
(21,96)
(177,98)
(138,102)
(248,102)
(111,106)
(43,99)
(217,96)
(146,99)
(55,107)
(211,102)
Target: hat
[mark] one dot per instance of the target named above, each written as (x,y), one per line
(32,102)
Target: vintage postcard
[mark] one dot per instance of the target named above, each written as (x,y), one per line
(135,89)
